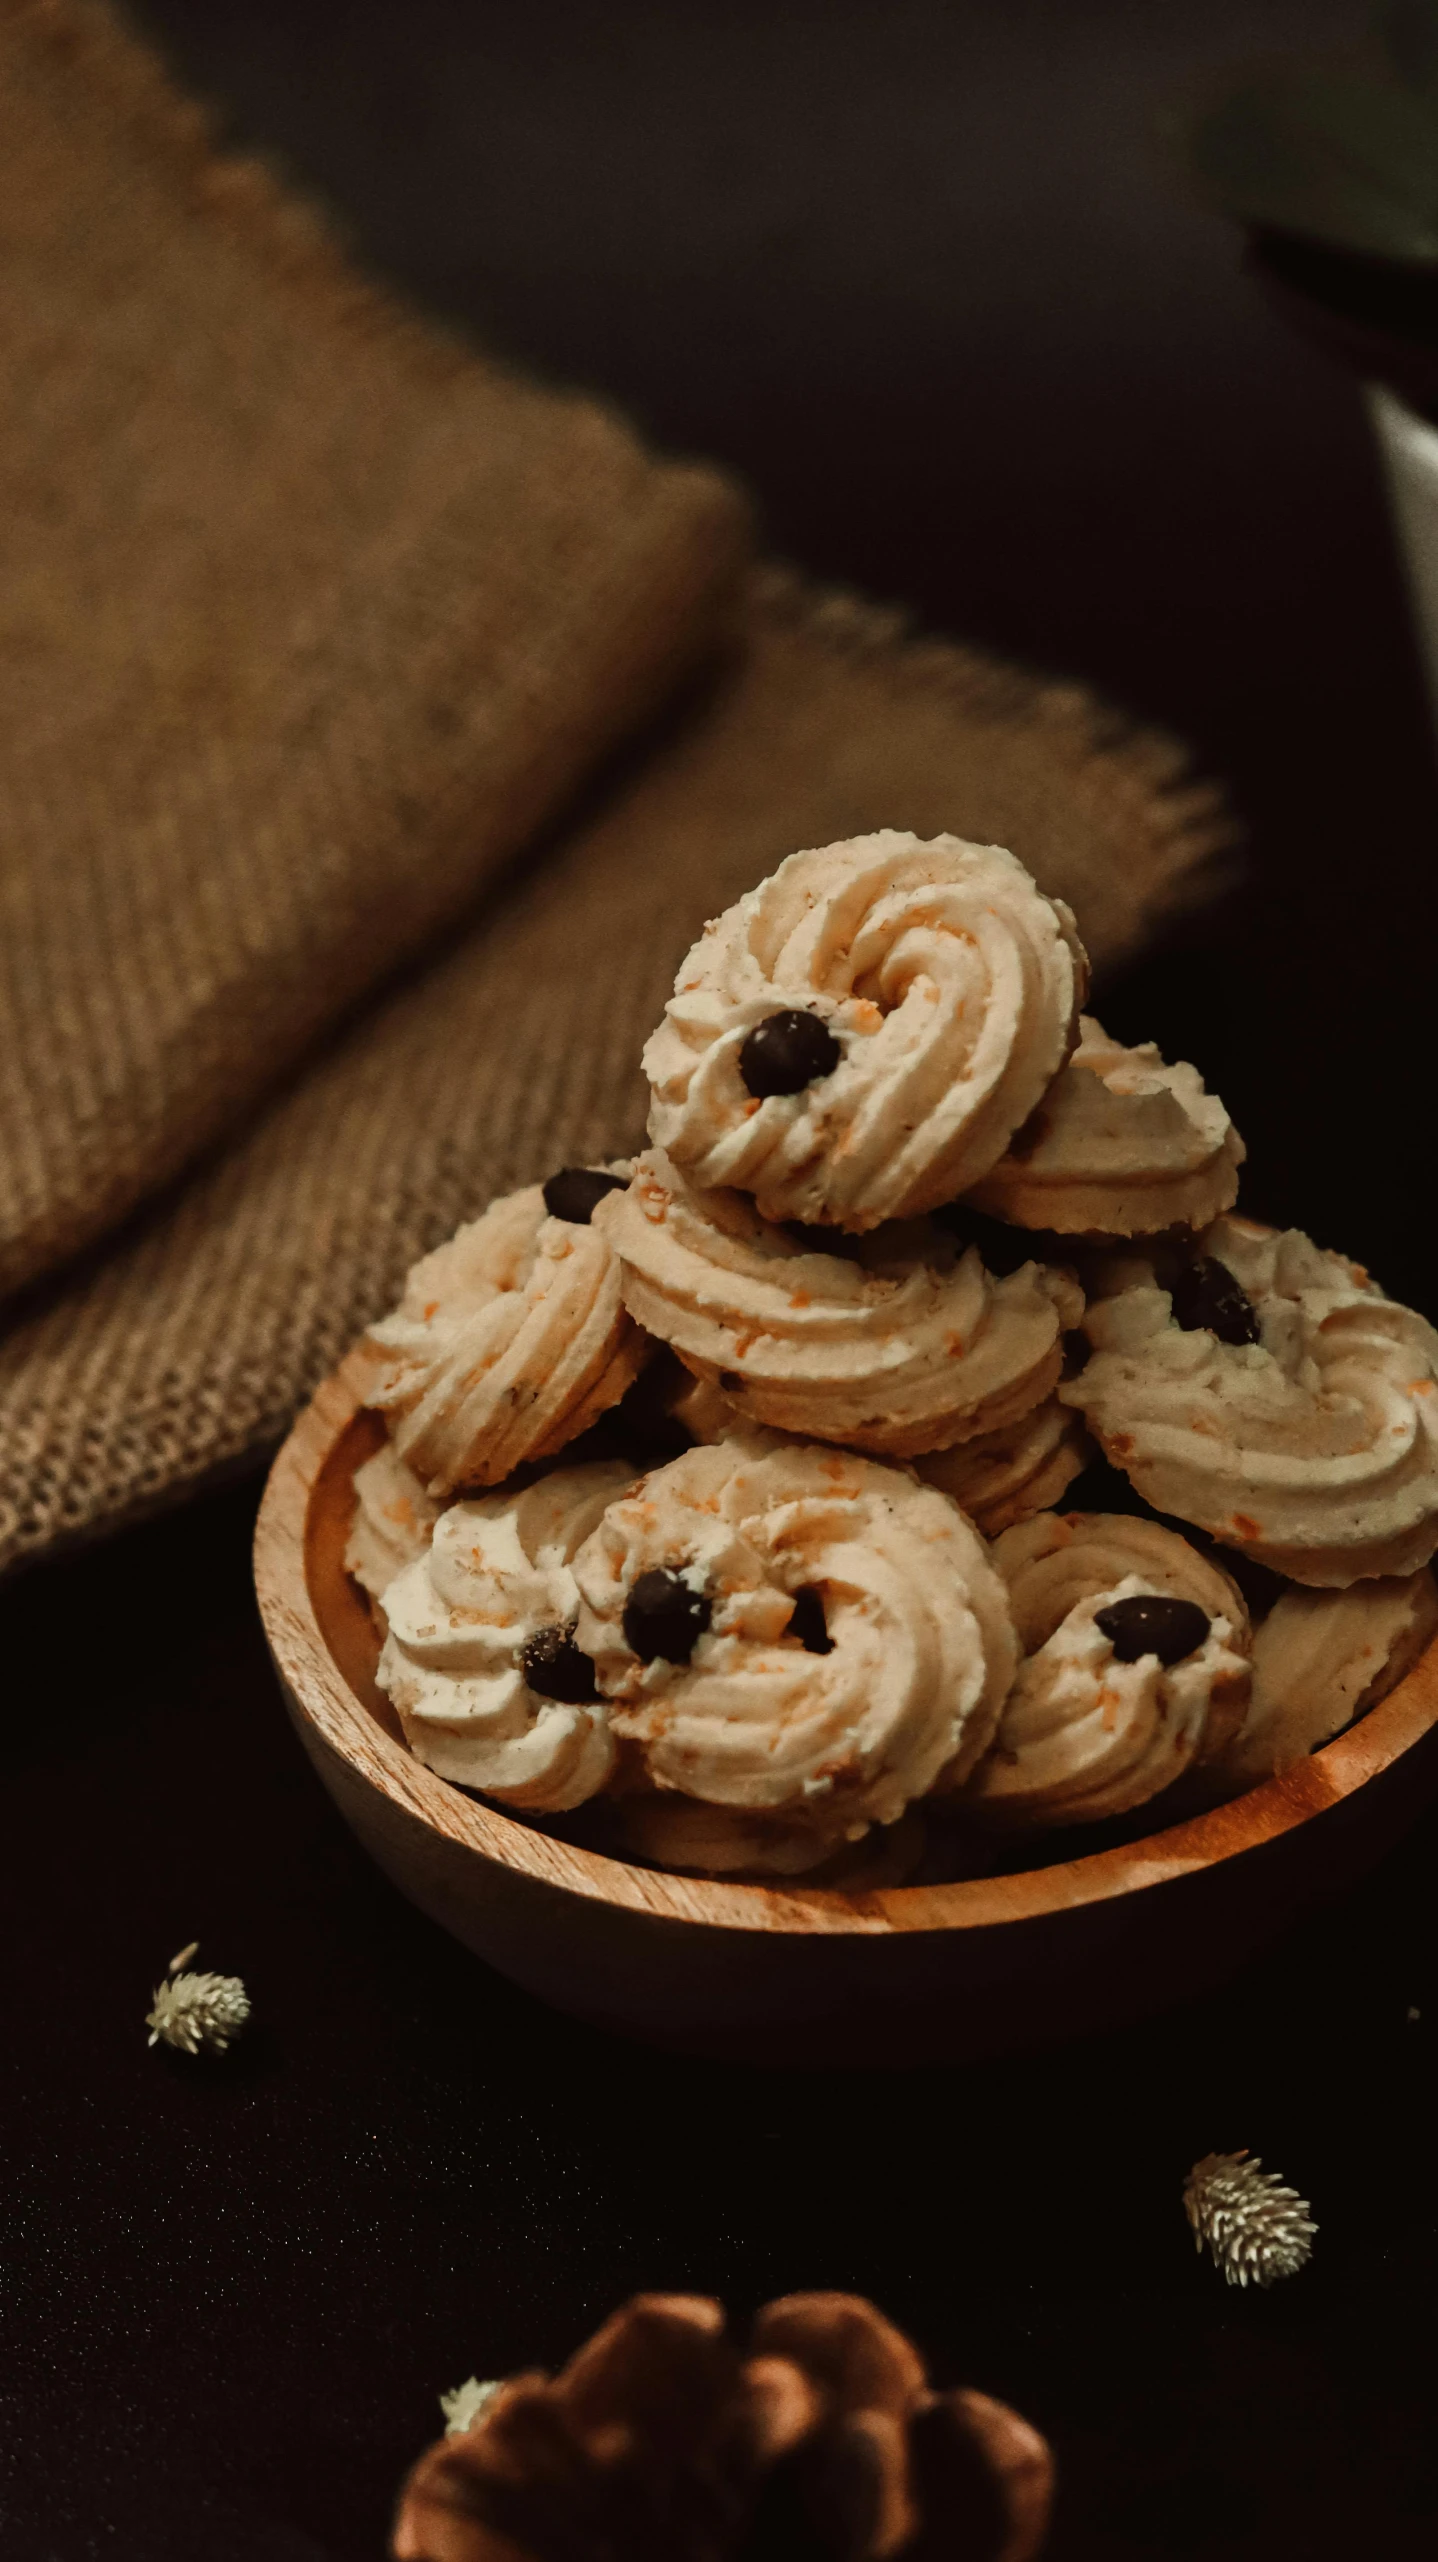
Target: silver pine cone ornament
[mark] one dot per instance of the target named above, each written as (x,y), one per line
(1253,2227)
(192,2011)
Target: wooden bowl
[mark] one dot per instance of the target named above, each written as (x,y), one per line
(793,1973)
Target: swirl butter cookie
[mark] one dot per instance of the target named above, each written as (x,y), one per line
(903,1343)
(1135,1667)
(1272,1395)
(1007,1476)
(670,1831)
(509,1340)
(1320,1660)
(480,1660)
(803,1637)
(393,1519)
(858,1038)
(1122,1145)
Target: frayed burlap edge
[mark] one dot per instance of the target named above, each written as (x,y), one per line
(185,1351)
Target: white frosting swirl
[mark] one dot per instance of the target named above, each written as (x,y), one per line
(905,1343)
(1084,1736)
(922,1647)
(1121,1145)
(1314,1450)
(952,986)
(1060,1558)
(392,1522)
(1007,1476)
(720,1841)
(497,1572)
(1320,1660)
(508,1342)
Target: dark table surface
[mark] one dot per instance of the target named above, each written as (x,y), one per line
(923,274)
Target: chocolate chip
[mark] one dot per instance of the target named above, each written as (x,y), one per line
(786,1052)
(664,1616)
(807,1622)
(1153,1623)
(1205,1295)
(555,1669)
(573,1192)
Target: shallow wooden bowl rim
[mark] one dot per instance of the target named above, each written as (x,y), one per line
(325,1697)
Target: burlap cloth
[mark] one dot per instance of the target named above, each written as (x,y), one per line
(311,618)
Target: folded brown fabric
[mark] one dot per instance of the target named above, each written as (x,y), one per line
(193,1342)
(308,617)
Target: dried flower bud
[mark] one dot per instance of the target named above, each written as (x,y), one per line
(462,2407)
(1255,2229)
(192,2011)
(663,2441)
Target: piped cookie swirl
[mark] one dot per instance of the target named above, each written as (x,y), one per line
(1122,1145)
(1007,1476)
(508,1342)
(795,1633)
(858,1039)
(1135,1666)
(1271,1394)
(904,1343)
(393,1519)
(892,1170)
(1321,1659)
(480,1659)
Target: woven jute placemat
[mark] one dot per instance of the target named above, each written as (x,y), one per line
(309,616)
(314,620)
(192,1343)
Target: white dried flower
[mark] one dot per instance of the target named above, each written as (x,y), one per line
(1254,2228)
(463,2406)
(192,2011)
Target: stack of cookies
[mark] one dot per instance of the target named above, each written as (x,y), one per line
(914,1246)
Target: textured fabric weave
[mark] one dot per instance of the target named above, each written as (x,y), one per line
(191,1344)
(308,617)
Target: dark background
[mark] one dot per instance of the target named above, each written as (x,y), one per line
(923,274)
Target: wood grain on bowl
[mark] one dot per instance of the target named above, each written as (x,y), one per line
(796,1973)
